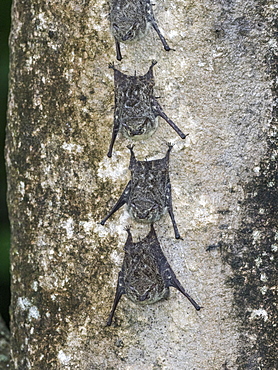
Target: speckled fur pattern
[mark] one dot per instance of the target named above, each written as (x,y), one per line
(136,108)
(148,193)
(130,20)
(146,275)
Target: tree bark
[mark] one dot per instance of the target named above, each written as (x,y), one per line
(4,345)
(219,85)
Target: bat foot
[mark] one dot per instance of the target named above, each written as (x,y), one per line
(109,322)
(183,136)
(170,145)
(167,48)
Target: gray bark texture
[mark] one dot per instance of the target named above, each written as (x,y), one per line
(219,85)
(4,345)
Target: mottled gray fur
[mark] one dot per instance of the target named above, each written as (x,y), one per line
(136,108)
(129,21)
(146,275)
(148,193)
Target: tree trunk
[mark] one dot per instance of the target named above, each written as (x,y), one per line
(219,86)
(4,345)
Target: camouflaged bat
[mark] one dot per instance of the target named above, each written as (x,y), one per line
(136,108)
(148,193)
(130,20)
(146,275)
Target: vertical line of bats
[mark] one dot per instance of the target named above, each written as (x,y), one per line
(146,275)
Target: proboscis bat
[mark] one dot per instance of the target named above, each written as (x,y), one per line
(148,193)
(146,275)
(136,108)
(130,20)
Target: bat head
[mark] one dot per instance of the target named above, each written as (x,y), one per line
(145,208)
(128,30)
(139,128)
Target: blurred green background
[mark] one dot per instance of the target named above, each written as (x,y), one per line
(5,10)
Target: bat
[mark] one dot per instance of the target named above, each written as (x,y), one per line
(130,20)
(136,108)
(148,193)
(146,275)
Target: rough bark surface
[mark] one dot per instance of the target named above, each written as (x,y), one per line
(218,86)
(4,345)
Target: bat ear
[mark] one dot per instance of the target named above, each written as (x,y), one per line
(149,74)
(170,147)
(130,147)
(154,62)
(129,236)
(132,156)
